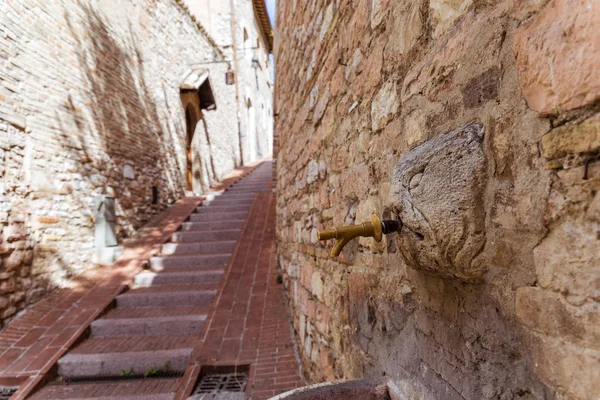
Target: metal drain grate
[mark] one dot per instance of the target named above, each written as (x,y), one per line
(218,383)
(6,392)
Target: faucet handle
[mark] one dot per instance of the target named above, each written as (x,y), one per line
(375,229)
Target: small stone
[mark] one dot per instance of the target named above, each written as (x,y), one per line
(405,289)
(313,96)
(35,295)
(353,107)
(384,106)
(326,21)
(312,172)
(379,10)
(9,312)
(414,128)
(14,232)
(48,220)
(317,285)
(405,30)
(128,172)
(444,14)
(352,67)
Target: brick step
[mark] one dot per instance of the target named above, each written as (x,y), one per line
(203,247)
(176,270)
(190,260)
(208,236)
(198,298)
(95,346)
(187,287)
(259,183)
(222,209)
(246,191)
(230,196)
(159,396)
(249,188)
(254,191)
(156,312)
(212,225)
(146,279)
(136,389)
(231,216)
(253,179)
(80,365)
(157,326)
(228,202)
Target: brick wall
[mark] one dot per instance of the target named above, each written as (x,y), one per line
(90,104)
(363,84)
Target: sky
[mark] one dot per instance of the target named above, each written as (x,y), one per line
(271,10)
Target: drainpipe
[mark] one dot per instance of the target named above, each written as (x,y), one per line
(237,79)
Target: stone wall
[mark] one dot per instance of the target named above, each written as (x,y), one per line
(477,123)
(90,104)
(239,35)
(256,90)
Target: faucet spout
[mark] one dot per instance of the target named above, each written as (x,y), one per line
(339,245)
(375,229)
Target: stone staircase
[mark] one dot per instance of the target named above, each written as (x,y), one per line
(155,325)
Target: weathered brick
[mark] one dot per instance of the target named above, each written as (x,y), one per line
(446,12)
(384,106)
(567,366)
(557,56)
(575,139)
(549,313)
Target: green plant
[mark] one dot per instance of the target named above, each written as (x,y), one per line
(127,373)
(279,279)
(153,371)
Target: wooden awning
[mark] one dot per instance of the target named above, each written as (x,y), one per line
(262,17)
(198,80)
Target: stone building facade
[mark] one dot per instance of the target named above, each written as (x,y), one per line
(242,29)
(95,99)
(476,123)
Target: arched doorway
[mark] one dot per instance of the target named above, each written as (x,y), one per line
(196,96)
(190,122)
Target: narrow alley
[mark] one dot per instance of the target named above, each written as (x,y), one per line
(208,306)
(300,200)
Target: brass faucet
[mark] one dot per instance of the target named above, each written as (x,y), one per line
(344,234)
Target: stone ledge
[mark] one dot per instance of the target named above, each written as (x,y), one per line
(571,140)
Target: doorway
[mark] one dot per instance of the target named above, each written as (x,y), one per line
(190,122)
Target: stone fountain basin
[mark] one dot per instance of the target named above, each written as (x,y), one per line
(364,389)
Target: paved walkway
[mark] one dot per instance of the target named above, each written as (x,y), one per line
(249,325)
(195,307)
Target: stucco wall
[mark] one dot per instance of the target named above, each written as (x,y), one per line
(511,309)
(90,104)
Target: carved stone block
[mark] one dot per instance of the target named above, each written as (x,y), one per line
(438,193)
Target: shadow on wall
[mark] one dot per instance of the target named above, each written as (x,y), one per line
(112,138)
(122,146)
(117,128)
